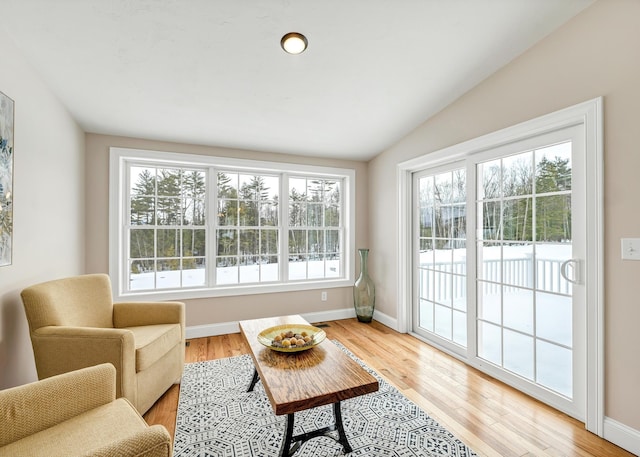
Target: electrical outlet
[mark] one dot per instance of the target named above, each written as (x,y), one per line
(630,248)
(323,296)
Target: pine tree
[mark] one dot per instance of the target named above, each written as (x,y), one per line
(553,212)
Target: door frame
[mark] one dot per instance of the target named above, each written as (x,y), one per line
(588,114)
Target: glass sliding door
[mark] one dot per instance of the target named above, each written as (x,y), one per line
(524,303)
(441,269)
(498,249)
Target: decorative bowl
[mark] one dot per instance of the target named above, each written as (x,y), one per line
(266,336)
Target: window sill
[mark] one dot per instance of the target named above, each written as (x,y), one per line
(185,294)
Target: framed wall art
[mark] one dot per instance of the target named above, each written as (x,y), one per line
(6,179)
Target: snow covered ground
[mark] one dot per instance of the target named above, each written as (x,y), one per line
(245,274)
(536,339)
(544,311)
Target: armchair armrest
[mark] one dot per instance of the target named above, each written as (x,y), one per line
(60,349)
(28,409)
(151,442)
(134,314)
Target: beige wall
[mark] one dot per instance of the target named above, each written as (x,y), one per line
(595,54)
(212,310)
(48,205)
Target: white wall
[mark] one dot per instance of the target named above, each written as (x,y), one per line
(48,204)
(595,54)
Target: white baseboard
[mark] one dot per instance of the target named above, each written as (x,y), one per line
(391,322)
(202,331)
(223,328)
(622,435)
(333,315)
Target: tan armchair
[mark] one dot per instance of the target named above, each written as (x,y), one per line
(74,324)
(76,414)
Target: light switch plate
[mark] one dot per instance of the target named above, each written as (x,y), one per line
(630,248)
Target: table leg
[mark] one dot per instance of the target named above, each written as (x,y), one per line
(337,412)
(288,450)
(285,450)
(254,380)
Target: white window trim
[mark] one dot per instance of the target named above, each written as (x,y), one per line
(590,115)
(118,158)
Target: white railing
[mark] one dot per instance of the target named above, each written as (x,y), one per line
(449,278)
(448,281)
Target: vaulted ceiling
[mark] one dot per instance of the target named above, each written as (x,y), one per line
(212,72)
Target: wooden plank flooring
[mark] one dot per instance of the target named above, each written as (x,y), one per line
(490,417)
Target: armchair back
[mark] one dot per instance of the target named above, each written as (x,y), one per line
(80,301)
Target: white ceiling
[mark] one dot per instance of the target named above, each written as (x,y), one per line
(212,72)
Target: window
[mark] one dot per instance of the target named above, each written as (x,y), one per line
(166,230)
(314,228)
(248,230)
(188,226)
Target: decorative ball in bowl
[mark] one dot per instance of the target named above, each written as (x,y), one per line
(291,337)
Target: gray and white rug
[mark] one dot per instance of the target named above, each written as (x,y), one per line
(217,417)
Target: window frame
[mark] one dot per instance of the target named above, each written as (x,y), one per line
(121,159)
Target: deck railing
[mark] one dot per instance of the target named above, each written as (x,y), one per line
(446,281)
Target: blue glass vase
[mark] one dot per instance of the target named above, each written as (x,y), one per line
(364,290)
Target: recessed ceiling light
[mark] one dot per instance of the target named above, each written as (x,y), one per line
(294,43)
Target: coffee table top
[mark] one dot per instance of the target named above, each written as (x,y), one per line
(296,381)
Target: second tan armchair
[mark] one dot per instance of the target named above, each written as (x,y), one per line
(74,324)
(76,414)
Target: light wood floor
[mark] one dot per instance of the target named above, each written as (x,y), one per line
(490,417)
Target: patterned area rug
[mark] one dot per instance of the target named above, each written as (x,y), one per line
(217,417)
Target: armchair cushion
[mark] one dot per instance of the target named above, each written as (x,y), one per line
(153,342)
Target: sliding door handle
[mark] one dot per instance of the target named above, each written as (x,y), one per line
(574,266)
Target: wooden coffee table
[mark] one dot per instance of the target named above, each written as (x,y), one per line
(322,375)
